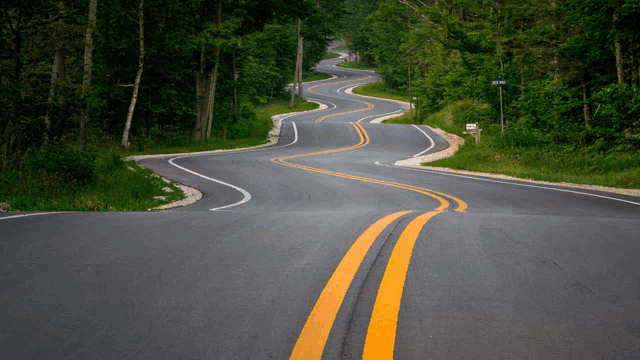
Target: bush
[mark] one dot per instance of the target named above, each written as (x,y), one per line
(67,162)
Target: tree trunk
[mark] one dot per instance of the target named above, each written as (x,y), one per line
(234,103)
(522,59)
(214,75)
(88,68)
(300,71)
(297,69)
(58,73)
(203,91)
(618,46)
(586,107)
(498,43)
(213,81)
(136,85)
(8,128)
(410,97)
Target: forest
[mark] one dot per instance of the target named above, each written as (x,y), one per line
(84,83)
(572,66)
(100,71)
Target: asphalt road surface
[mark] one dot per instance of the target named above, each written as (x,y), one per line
(319,248)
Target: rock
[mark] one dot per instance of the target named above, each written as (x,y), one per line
(167,189)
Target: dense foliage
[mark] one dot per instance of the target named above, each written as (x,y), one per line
(252,44)
(572,65)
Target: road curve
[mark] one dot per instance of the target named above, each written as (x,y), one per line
(319,248)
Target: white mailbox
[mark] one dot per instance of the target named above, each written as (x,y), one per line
(472,127)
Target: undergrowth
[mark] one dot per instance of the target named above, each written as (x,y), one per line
(61,177)
(520,153)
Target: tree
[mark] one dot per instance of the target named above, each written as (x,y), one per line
(88,69)
(136,85)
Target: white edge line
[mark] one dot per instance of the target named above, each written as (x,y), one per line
(246,194)
(25,215)
(428,137)
(513,183)
(314,99)
(381,115)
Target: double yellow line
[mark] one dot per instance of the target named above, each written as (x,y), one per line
(364,141)
(380,340)
(369,105)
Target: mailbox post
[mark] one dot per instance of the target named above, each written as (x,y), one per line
(474,130)
(500,83)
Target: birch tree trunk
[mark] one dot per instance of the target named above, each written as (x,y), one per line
(88,68)
(58,73)
(297,70)
(136,85)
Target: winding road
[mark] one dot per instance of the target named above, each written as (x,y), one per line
(319,248)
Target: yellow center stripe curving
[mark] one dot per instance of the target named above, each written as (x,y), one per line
(364,140)
(314,335)
(381,334)
(369,105)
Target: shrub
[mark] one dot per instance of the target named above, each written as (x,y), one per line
(67,162)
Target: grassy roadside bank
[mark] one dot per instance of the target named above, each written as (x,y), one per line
(497,153)
(308,76)
(63,178)
(330,55)
(378,89)
(358,65)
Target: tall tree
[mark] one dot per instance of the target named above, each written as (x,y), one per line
(58,74)
(88,69)
(136,85)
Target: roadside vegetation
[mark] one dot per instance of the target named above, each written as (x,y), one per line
(572,101)
(379,89)
(63,177)
(84,84)
(343,47)
(358,65)
(330,55)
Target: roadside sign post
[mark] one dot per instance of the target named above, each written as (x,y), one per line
(500,83)
(474,130)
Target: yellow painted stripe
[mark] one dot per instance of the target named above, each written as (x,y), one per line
(369,107)
(315,333)
(364,140)
(381,334)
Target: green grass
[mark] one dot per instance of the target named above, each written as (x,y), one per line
(114,185)
(358,65)
(257,136)
(555,163)
(117,186)
(379,89)
(343,47)
(330,55)
(308,76)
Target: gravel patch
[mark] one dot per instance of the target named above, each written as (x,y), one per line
(191,196)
